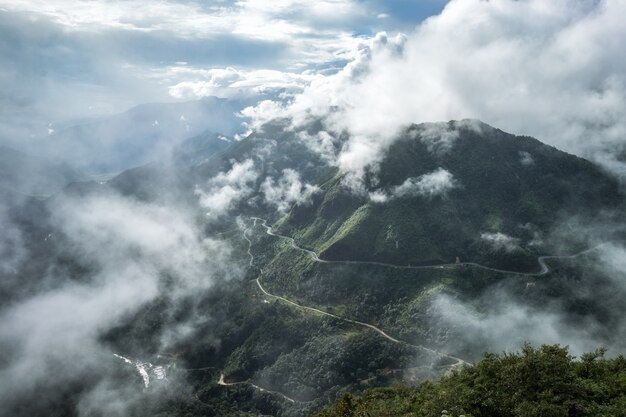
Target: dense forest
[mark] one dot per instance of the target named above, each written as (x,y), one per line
(536,382)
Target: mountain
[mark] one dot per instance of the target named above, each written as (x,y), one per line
(292,333)
(27,174)
(480,194)
(509,203)
(198,149)
(139,135)
(274,147)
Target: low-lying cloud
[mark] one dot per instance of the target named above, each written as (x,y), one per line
(578,304)
(613,257)
(287,191)
(12,249)
(435,183)
(508,324)
(526,158)
(430,185)
(439,138)
(226,189)
(234,83)
(131,253)
(501,241)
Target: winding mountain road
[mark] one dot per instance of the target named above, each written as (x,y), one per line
(245,236)
(540,260)
(458,361)
(221,381)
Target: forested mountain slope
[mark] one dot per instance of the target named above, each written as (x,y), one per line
(461,190)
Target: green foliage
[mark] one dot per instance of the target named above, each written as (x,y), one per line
(495,192)
(536,382)
(326,364)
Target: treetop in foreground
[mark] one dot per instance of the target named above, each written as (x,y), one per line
(545,381)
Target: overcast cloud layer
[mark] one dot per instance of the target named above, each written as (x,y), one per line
(554,70)
(135,253)
(67,59)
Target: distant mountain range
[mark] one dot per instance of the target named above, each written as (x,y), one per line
(141,134)
(144,133)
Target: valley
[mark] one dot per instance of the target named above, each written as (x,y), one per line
(334,295)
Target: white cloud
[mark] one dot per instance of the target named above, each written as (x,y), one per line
(231,82)
(498,319)
(501,241)
(100,57)
(330,96)
(12,249)
(526,158)
(263,111)
(287,191)
(439,137)
(554,70)
(378,196)
(59,329)
(322,143)
(507,325)
(436,183)
(135,253)
(613,257)
(357,155)
(315,31)
(162,235)
(226,189)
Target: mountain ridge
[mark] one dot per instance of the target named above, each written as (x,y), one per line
(252,334)
(508,189)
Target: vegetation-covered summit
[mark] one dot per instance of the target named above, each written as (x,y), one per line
(457,189)
(542,382)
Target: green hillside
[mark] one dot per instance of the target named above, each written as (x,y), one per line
(507,194)
(307,337)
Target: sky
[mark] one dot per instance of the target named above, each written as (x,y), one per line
(553,70)
(67,59)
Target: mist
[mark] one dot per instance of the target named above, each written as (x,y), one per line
(129,254)
(578,303)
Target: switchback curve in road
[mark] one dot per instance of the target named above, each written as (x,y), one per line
(540,260)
